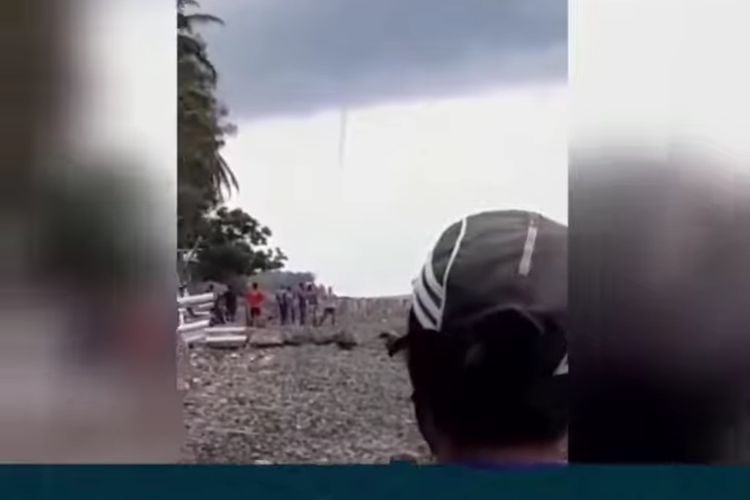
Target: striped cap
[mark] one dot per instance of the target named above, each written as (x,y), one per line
(490,262)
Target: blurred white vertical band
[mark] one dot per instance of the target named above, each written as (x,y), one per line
(661,73)
(128,54)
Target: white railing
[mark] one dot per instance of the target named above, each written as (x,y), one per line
(196,300)
(198,329)
(192,327)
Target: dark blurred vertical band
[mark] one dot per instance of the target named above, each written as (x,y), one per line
(659,239)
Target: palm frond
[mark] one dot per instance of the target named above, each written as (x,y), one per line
(223,177)
(203,19)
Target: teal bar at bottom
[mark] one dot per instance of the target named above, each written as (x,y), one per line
(137,482)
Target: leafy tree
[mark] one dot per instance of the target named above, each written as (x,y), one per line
(273,280)
(232,243)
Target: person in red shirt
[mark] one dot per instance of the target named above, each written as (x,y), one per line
(255,299)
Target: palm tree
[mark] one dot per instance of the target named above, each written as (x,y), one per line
(204,177)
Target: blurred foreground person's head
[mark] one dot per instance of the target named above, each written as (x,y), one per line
(486,343)
(659,296)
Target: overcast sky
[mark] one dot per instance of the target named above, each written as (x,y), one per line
(453,107)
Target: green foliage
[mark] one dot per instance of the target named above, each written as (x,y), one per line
(232,243)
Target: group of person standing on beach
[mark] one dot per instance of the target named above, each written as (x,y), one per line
(303,304)
(306,301)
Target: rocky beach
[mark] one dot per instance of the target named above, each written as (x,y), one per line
(303,395)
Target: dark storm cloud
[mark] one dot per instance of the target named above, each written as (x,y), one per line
(297,56)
